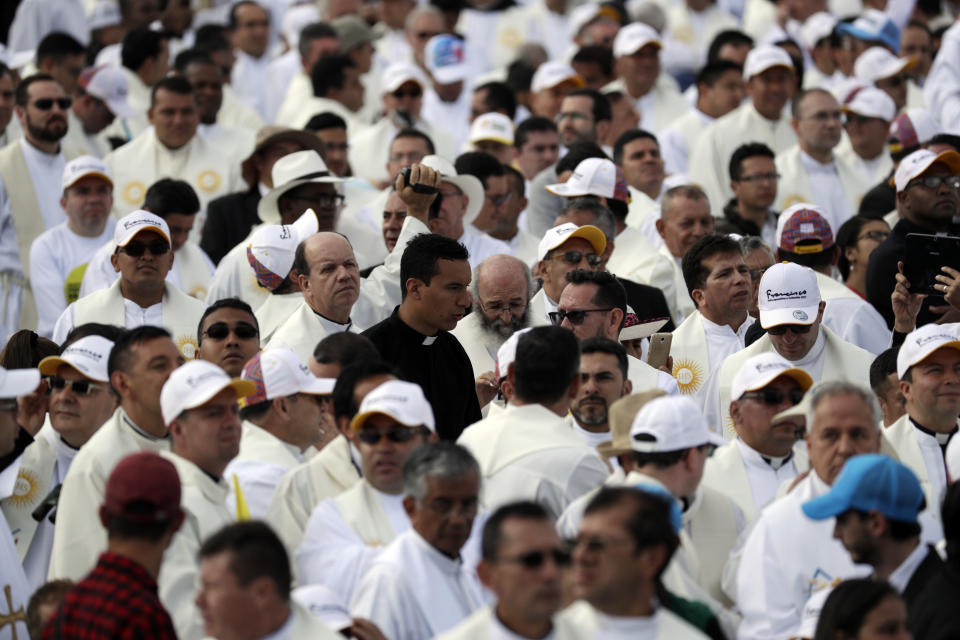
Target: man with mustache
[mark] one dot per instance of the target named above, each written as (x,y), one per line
(603,381)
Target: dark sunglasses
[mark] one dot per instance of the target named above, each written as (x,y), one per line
(396,435)
(934,182)
(220,330)
(79,387)
(536,559)
(779,330)
(137,249)
(408,93)
(574,257)
(774,396)
(45,104)
(575,316)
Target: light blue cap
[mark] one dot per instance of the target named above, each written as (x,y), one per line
(871,482)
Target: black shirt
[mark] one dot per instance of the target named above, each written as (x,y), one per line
(438,364)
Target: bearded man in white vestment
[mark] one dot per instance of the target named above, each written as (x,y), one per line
(346,533)
(421,585)
(199,406)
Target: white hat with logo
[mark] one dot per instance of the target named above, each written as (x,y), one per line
(556,236)
(445,58)
(133,223)
(671,423)
(764,57)
(492,126)
(915,164)
(272,248)
(762,369)
(84,167)
(279,372)
(397,399)
(194,384)
(789,294)
(633,37)
(88,356)
(922,342)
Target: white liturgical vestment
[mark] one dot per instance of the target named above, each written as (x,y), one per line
(481,345)
(413,591)
(836,187)
(14,590)
(662,625)
(699,347)
(485,625)
(258,467)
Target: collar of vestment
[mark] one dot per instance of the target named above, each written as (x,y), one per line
(331,326)
(130,423)
(942,438)
(440,560)
(409,333)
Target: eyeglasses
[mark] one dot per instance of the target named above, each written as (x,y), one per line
(79,387)
(515,308)
(499,201)
(756,274)
(536,559)
(934,182)
(8,405)
(574,257)
(575,316)
(137,249)
(400,94)
(321,199)
(824,116)
(761,177)
(396,435)
(45,104)
(220,330)
(774,396)
(877,236)
(597,545)
(426,35)
(572,115)
(779,330)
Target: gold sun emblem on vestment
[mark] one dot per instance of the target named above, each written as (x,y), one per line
(26,489)
(689,375)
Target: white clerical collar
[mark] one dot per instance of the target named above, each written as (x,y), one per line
(815,166)
(753,458)
(333,327)
(902,574)
(724,330)
(283,632)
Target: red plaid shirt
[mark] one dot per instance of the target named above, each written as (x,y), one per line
(117,600)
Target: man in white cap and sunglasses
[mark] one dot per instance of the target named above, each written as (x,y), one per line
(199,406)
(346,533)
(561,250)
(80,402)
(791,311)
(141,295)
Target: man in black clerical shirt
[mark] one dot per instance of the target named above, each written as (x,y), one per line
(434,275)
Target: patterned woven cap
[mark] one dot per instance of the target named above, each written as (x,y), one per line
(621,190)
(806,231)
(253,371)
(267,279)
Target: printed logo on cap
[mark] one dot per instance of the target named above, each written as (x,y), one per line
(447,52)
(801,315)
(799,294)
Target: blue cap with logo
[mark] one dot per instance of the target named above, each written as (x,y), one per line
(871,482)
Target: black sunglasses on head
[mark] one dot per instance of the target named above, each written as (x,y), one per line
(220,330)
(781,329)
(536,559)
(137,249)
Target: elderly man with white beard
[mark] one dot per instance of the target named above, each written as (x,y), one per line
(501,288)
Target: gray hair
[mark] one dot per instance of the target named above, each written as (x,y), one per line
(420,11)
(749,244)
(436,460)
(841,388)
(602,216)
(474,288)
(688,191)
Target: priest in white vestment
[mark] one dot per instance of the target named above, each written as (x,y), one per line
(346,533)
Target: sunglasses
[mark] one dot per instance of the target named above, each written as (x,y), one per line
(8,405)
(408,93)
(934,182)
(137,249)
(774,396)
(220,330)
(536,559)
(779,330)
(79,387)
(45,104)
(574,257)
(575,316)
(396,435)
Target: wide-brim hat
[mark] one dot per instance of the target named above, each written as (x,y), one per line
(274,133)
(290,172)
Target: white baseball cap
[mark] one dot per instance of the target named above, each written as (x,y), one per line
(507,352)
(133,223)
(399,73)
(87,355)
(445,58)
(580,17)
(877,63)
(18,382)
(105,13)
(273,246)
(634,37)
(760,370)
(492,126)
(915,164)
(556,236)
(278,372)
(108,83)
(921,342)
(592,177)
(194,384)
(551,73)
(470,185)
(871,102)
(816,28)
(763,57)
(789,294)
(671,423)
(397,399)
(82,167)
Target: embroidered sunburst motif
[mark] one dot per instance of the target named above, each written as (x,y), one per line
(188,346)
(689,375)
(26,490)
(729,431)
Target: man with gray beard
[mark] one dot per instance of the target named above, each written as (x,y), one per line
(501,288)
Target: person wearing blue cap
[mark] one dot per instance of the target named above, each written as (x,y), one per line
(877,503)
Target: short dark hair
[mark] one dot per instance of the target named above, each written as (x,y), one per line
(25,349)
(881,367)
(139,45)
(225,303)
(519,182)
(713,71)
(188,57)
(21,95)
(577,153)
(744,151)
(344,348)
(343,404)
(57,45)
(598,55)
(519,75)
(324,121)
(847,606)
(898,530)
(119,359)
(329,73)
(493,527)
(415,133)
(649,523)
(173,84)
(169,195)
(232,17)
(816,261)
(211,37)
(6,71)
(722,39)
(694,272)
(255,552)
(499,97)
(118,527)
(479,164)
(109,331)
(626,138)
(419,259)
(253,412)
(50,593)
(610,293)
(948,139)
(600,344)
(314,31)
(546,364)
(531,125)
(847,236)
(601,105)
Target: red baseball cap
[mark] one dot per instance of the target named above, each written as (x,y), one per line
(147,480)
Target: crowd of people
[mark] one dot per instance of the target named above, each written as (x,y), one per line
(466,319)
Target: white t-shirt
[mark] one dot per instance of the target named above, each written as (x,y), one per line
(54,255)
